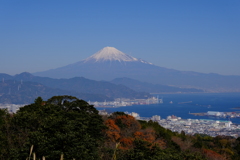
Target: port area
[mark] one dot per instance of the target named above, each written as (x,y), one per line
(122,102)
(219,114)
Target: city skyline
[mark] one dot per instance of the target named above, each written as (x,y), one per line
(201,36)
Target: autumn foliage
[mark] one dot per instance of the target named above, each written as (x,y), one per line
(141,139)
(113,131)
(125,129)
(210,154)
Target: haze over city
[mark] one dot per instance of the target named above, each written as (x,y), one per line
(201,36)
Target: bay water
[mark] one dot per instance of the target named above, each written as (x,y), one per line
(181,105)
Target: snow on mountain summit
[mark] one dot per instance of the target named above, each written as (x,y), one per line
(110,54)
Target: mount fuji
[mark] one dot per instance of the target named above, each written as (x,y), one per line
(106,64)
(110,63)
(110,54)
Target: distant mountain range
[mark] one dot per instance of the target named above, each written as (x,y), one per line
(18,92)
(25,87)
(110,63)
(152,88)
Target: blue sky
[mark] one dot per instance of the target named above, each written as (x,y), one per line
(187,35)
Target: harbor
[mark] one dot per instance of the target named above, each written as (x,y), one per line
(122,102)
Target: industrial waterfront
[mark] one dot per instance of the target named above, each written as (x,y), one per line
(172,104)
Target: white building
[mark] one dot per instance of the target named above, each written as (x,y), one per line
(12,108)
(228,124)
(214,113)
(135,115)
(103,112)
(156,118)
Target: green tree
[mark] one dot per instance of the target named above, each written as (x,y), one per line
(61,125)
(4,116)
(12,137)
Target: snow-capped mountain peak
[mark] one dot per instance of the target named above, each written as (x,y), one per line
(110,54)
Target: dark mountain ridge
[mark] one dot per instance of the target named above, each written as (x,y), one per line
(152,88)
(18,92)
(80,87)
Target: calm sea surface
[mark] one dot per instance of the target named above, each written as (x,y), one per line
(222,102)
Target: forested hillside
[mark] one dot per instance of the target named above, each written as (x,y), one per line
(25,92)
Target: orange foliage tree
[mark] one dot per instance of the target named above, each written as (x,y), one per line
(113,131)
(125,129)
(210,154)
(147,135)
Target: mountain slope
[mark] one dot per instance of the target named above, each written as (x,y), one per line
(83,85)
(152,88)
(19,92)
(109,63)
